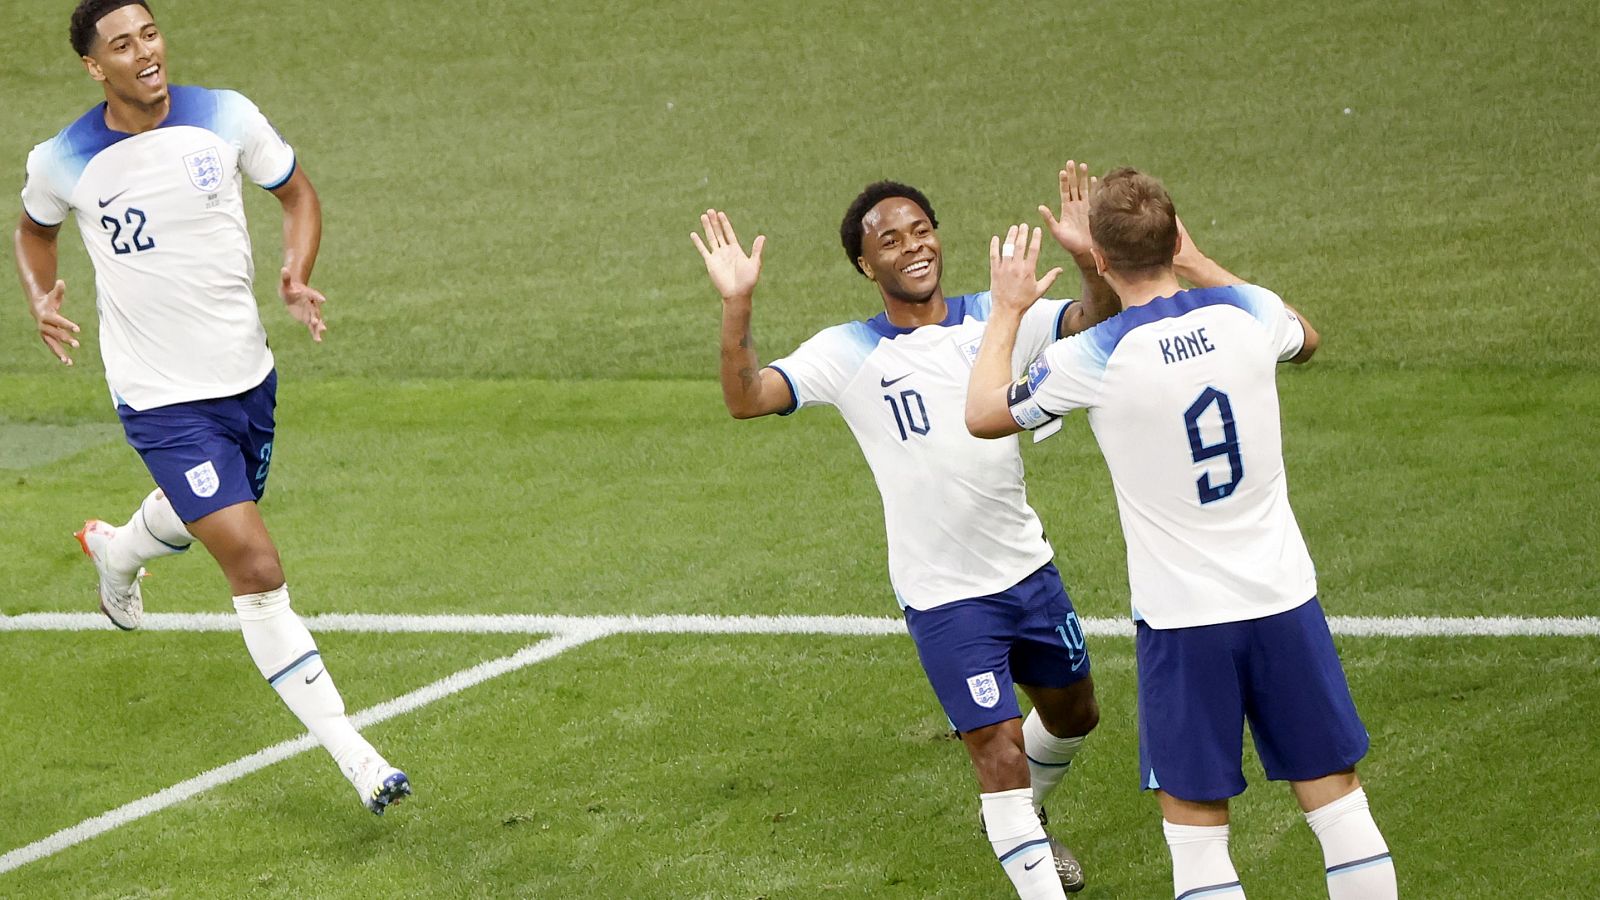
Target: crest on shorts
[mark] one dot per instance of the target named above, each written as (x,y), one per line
(205,169)
(203,479)
(985,691)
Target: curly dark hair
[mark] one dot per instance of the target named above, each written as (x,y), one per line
(88,15)
(851,231)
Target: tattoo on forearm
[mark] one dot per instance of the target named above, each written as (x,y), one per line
(746,342)
(747,377)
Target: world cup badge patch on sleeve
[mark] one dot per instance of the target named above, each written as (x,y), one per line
(1038,371)
(205,169)
(203,479)
(985,691)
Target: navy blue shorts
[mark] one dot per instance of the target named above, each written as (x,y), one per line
(975,650)
(207,455)
(1198,686)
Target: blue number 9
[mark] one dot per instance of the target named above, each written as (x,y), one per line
(1201,451)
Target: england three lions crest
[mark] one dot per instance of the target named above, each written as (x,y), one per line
(205,169)
(985,692)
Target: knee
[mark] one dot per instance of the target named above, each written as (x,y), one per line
(256,572)
(1075,718)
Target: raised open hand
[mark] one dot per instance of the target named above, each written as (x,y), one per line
(732,272)
(1071,229)
(1014,284)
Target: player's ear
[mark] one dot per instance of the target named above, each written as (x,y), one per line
(1177,244)
(1099,261)
(866,268)
(93,68)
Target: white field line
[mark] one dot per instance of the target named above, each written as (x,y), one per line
(1351,626)
(183,790)
(572,631)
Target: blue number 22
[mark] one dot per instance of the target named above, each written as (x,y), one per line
(1229,445)
(136,218)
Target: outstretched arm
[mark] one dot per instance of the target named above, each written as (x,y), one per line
(748,389)
(302,238)
(1203,271)
(1197,268)
(35,248)
(1099,302)
(1014,288)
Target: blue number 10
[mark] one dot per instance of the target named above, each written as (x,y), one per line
(1229,445)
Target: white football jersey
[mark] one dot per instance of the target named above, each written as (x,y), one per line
(162,216)
(1183,398)
(954,506)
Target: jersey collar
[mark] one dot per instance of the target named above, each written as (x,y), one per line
(954,314)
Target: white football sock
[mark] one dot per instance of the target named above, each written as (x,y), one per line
(1358,861)
(1049,756)
(154,531)
(287,656)
(1021,844)
(1201,866)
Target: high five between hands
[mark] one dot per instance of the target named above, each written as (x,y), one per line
(734,274)
(1014,262)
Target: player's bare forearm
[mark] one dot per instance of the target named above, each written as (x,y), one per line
(35,249)
(1194,266)
(1204,272)
(988,415)
(302,225)
(748,389)
(1098,302)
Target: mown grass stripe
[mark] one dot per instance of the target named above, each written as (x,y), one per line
(239,768)
(1347,626)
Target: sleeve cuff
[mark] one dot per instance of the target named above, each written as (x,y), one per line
(1061,319)
(294,163)
(39,222)
(794,395)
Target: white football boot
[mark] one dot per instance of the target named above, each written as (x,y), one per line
(123,603)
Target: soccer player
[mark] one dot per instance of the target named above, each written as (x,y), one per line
(1181,394)
(967,557)
(153,175)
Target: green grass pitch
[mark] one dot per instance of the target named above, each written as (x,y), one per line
(516,412)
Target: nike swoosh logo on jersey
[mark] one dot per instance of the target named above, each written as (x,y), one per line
(106,203)
(885,382)
(1028,867)
(311,678)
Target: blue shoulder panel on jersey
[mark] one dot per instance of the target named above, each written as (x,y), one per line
(1108,334)
(81,141)
(89,135)
(194,106)
(956,311)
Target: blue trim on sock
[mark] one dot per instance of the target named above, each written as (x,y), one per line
(1355,864)
(292,667)
(1021,847)
(173,547)
(1051,765)
(1210,889)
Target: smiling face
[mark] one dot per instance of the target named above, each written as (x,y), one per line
(129,57)
(900,250)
